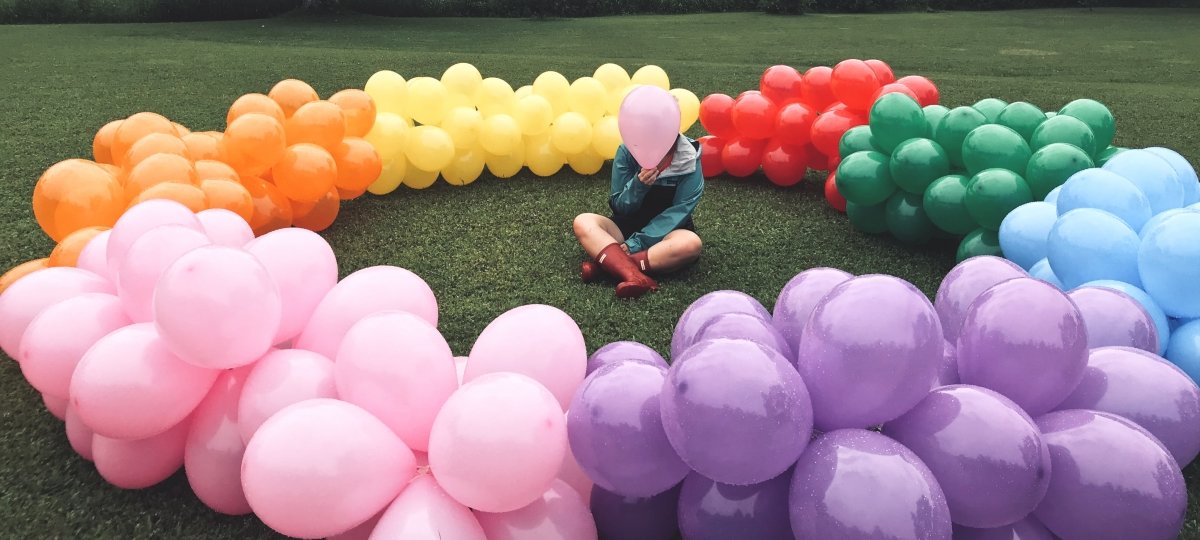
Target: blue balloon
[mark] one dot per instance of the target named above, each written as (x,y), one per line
(1108,191)
(1176,323)
(1088,244)
(1184,349)
(1052,197)
(1151,174)
(1024,231)
(1169,262)
(1154,221)
(1041,270)
(1161,323)
(1187,175)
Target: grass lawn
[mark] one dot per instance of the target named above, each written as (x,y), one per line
(498,244)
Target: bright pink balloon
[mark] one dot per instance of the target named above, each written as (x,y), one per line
(536,340)
(58,337)
(56,406)
(78,434)
(361,532)
(217,307)
(212,457)
(305,269)
(322,467)
(148,257)
(649,124)
(28,296)
(130,386)
(367,291)
(225,228)
(498,442)
(559,513)
(139,219)
(424,510)
(397,366)
(94,256)
(279,379)
(141,463)
(573,475)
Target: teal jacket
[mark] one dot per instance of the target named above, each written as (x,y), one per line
(627,193)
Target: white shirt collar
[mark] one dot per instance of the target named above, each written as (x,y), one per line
(684,161)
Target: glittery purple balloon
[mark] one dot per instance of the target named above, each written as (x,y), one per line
(1114,318)
(799,298)
(746,326)
(1111,480)
(704,309)
(622,351)
(853,484)
(1144,388)
(964,283)
(948,370)
(985,452)
(711,510)
(870,351)
(736,411)
(1026,529)
(636,518)
(1025,339)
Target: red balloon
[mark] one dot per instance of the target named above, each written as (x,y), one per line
(780,84)
(742,157)
(854,83)
(710,155)
(794,125)
(817,161)
(754,115)
(784,164)
(815,87)
(883,72)
(716,115)
(828,129)
(926,91)
(897,88)
(832,195)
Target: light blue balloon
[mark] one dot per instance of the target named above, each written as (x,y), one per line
(1052,197)
(1024,231)
(1169,263)
(1161,323)
(1151,174)
(1176,323)
(1154,221)
(1187,175)
(1184,349)
(1088,244)
(1108,191)
(1041,270)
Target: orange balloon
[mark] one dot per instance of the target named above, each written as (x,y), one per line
(180,129)
(230,195)
(66,253)
(208,169)
(186,194)
(21,270)
(75,194)
(160,169)
(154,143)
(290,94)
(305,173)
(115,171)
(254,103)
(253,143)
(102,142)
(319,122)
(201,146)
(272,211)
(134,128)
(358,164)
(347,194)
(359,109)
(317,216)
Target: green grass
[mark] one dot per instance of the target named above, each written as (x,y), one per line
(498,244)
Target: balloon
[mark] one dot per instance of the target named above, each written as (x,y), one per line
(994,146)
(1115,318)
(66,253)
(869,219)
(1096,116)
(651,75)
(140,463)
(466,167)
(213,453)
(586,96)
(462,78)
(149,256)
(103,141)
(707,307)
(1022,117)
(1151,174)
(428,100)
(1088,244)
(76,194)
(927,93)
(857,139)
(203,145)
(418,178)
(24,269)
(78,434)
(1025,231)
(895,88)
(571,134)
(132,129)
(799,297)
(559,513)
(154,143)
(906,219)
(963,284)
(895,118)
(358,164)
(992,194)
(93,258)
(1064,129)
(832,196)
(1103,156)
(1183,170)
(648,122)
(864,178)
(933,115)
(636,518)
(303,266)
(612,76)
(689,108)
(742,157)
(780,84)
(495,96)
(606,137)
(1165,244)
(572,474)
(916,163)
(623,351)
(279,379)
(712,510)
(558,360)
(389,136)
(272,211)
(710,156)
(716,115)
(749,327)
(978,242)
(1161,324)
(943,203)
(815,87)
(1026,529)
(430,148)
(253,143)
(830,126)
(991,108)
(1051,165)
(28,296)
(953,129)
(506,165)
(423,510)
(784,164)
(754,116)
(231,196)
(319,122)
(291,94)
(1041,270)
(854,83)
(57,338)
(389,90)
(358,109)
(533,114)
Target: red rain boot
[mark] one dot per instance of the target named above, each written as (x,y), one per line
(618,263)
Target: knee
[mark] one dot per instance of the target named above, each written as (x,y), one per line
(691,246)
(582,223)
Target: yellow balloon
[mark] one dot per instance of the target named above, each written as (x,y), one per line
(615,98)
(571,133)
(554,87)
(495,96)
(606,137)
(466,167)
(419,179)
(653,76)
(689,108)
(430,148)
(389,91)
(541,156)
(534,114)
(390,178)
(454,101)
(462,124)
(428,100)
(587,97)
(523,91)
(587,162)
(389,136)
(500,134)
(506,165)
(612,76)
(462,79)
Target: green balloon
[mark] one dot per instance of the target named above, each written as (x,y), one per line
(1022,117)
(1051,114)
(991,108)
(944,205)
(863,178)
(953,128)
(992,194)
(916,163)
(933,115)
(979,242)
(856,139)
(1096,116)
(1065,129)
(1108,154)
(895,118)
(1052,165)
(906,219)
(994,146)
(869,219)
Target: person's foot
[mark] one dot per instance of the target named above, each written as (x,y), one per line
(635,289)
(633,283)
(589,271)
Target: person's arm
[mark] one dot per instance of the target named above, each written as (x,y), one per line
(627,191)
(687,196)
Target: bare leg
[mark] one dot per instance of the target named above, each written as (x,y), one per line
(596,232)
(680,248)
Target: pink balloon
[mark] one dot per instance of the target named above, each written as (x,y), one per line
(225,228)
(56,406)
(400,369)
(139,219)
(58,337)
(367,291)
(28,296)
(148,257)
(361,532)
(424,510)
(460,367)
(498,442)
(422,461)
(559,513)
(535,340)
(279,379)
(212,457)
(217,307)
(573,475)
(130,386)
(322,467)
(94,256)
(304,267)
(78,434)
(139,464)
(649,124)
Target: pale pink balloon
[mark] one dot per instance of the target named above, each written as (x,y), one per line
(279,379)
(139,219)
(422,461)
(361,532)
(498,442)
(559,513)
(28,296)
(217,307)
(78,434)
(573,475)
(460,367)
(130,386)
(305,269)
(58,337)
(424,510)
(225,228)
(138,464)
(94,256)
(322,467)
(212,457)
(398,367)
(367,291)
(146,260)
(649,124)
(536,340)
(56,406)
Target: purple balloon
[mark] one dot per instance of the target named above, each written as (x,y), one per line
(636,518)
(616,432)
(870,352)
(948,370)
(622,351)
(985,452)
(964,283)
(858,484)
(736,411)
(704,309)
(1026,529)
(1114,318)
(1144,388)
(799,298)
(1025,339)
(749,327)
(716,511)
(1111,480)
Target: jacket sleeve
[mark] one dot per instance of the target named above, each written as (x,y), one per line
(627,191)
(687,196)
